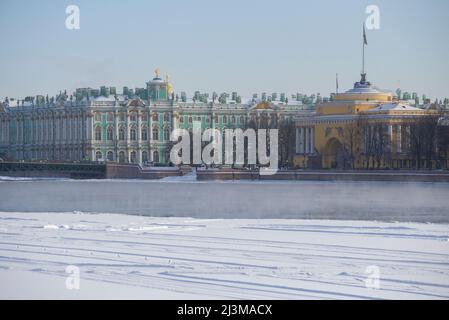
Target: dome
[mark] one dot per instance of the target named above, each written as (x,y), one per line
(157,80)
(363,87)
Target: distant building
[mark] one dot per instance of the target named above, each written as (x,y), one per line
(364,127)
(133,127)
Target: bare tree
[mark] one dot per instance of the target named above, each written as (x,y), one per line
(381,144)
(287,138)
(443,142)
(351,137)
(423,139)
(367,140)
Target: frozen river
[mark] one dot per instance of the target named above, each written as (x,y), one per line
(386,201)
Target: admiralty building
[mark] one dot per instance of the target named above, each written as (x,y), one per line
(132,127)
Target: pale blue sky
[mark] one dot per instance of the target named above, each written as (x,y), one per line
(247,46)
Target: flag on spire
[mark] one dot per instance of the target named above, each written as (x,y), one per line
(365,42)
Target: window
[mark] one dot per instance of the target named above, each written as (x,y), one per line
(97,116)
(166,116)
(110,117)
(121,116)
(207,119)
(98,133)
(98,155)
(242,120)
(155,116)
(155,156)
(216,119)
(133,116)
(133,157)
(109,134)
(144,134)
(233,119)
(198,118)
(225,119)
(121,157)
(181,119)
(144,156)
(155,133)
(121,134)
(167,134)
(133,134)
(144,116)
(190,119)
(110,156)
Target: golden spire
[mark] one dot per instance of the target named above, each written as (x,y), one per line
(169,85)
(157,72)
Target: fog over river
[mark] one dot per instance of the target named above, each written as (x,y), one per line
(386,201)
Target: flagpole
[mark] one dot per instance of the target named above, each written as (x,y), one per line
(336,82)
(363,58)
(363,54)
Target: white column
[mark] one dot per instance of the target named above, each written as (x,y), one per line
(297,140)
(312,140)
(390,135)
(307,141)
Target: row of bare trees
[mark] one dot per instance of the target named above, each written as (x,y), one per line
(425,141)
(287,135)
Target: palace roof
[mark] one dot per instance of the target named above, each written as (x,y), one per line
(394,106)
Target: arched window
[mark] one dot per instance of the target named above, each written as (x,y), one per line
(155,133)
(167,134)
(144,156)
(109,134)
(98,156)
(110,156)
(121,134)
(97,116)
(98,133)
(132,134)
(155,116)
(233,119)
(144,134)
(155,156)
(121,157)
(133,157)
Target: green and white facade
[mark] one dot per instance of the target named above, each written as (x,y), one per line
(121,128)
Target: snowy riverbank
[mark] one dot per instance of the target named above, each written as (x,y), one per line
(125,256)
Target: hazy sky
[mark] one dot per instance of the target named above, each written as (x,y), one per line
(247,46)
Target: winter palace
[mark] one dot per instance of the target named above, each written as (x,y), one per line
(133,127)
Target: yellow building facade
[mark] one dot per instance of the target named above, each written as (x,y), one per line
(363,127)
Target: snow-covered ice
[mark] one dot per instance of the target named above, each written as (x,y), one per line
(125,256)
